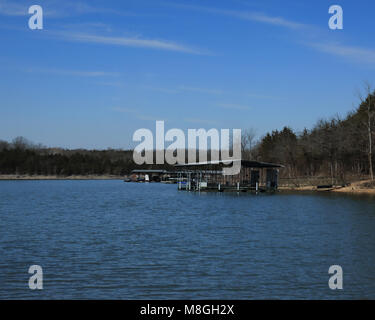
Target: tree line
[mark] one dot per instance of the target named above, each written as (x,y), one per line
(339,148)
(22,157)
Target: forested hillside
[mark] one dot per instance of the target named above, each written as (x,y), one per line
(23,157)
(336,148)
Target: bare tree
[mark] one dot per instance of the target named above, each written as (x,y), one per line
(367,102)
(21,143)
(247,143)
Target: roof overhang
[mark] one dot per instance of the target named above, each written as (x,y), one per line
(148,171)
(221,163)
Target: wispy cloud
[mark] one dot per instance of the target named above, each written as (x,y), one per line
(92,29)
(246,15)
(70,8)
(56,8)
(277,21)
(136,42)
(78,73)
(357,54)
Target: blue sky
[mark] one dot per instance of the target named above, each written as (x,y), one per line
(99,70)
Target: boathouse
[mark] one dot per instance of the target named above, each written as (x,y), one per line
(253,176)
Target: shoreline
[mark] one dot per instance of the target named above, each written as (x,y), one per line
(16,177)
(355,189)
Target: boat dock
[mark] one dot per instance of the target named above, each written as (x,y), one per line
(254,176)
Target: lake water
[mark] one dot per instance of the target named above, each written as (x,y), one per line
(116,240)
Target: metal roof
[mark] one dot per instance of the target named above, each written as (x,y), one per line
(244,163)
(148,171)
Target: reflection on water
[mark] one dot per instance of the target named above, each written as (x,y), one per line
(109,239)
